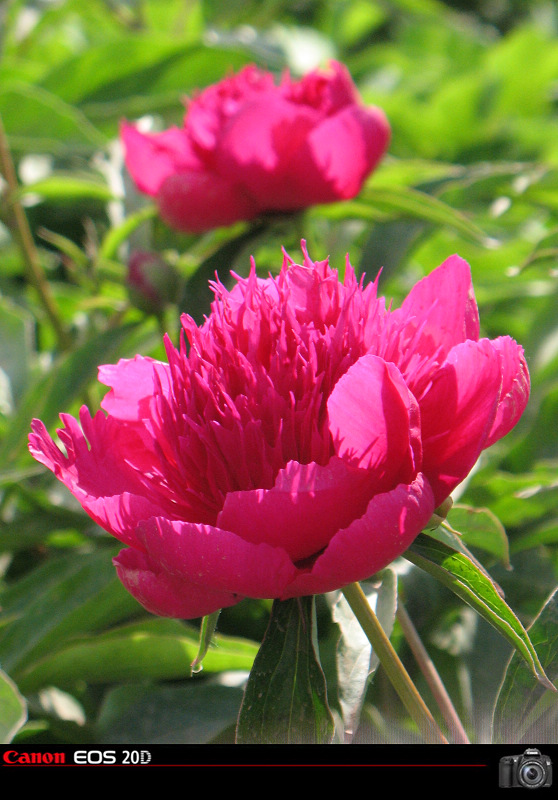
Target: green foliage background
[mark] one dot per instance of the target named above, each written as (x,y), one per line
(471,91)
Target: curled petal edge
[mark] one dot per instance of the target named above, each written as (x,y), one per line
(208,566)
(391,523)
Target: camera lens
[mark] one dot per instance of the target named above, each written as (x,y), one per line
(531,774)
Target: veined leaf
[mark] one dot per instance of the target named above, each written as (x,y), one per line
(479,527)
(285,701)
(39,121)
(190,712)
(469,582)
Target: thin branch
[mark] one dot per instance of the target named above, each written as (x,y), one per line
(19,226)
(433,679)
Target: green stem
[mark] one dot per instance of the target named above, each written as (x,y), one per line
(19,226)
(392,665)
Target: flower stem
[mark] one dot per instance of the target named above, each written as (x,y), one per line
(391,663)
(429,671)
(20,228)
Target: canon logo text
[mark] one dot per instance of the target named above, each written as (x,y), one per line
(15,757)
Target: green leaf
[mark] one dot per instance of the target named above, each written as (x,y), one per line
(16,337)
(285,700)
(63,598)
(525,711)
(66,246)
(62,188)
(193,713)
(467,580)
(46,526)
(13,709)
(408,202)
(479,527)
(154,648)
(152,74)
(38,121)
(519,499)
(115,237)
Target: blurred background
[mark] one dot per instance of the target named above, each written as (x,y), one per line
(471,93)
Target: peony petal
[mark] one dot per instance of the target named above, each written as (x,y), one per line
(133,383)
(108,489)
(391,522)
(307,505)
(289,156)
(328,90)
(151,158)
(340,153)
(515,388)
(458,412)
(374,421)
(258,144)
(196,201)
(211,557)
(443,307)
(209,110)
(164,594)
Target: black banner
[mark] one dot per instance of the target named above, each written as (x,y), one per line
(466,766)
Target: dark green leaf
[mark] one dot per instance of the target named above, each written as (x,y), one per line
(195,713)
(285,700)
(197,292)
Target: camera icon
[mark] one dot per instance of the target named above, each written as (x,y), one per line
(532,770)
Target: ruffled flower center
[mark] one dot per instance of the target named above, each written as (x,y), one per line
(249,388)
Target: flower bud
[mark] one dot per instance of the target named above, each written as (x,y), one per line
(152,282)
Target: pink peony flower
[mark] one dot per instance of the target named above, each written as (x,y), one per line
(294,443)
(249,147)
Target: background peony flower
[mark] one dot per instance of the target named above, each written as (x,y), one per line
(296,442)
(249,147)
